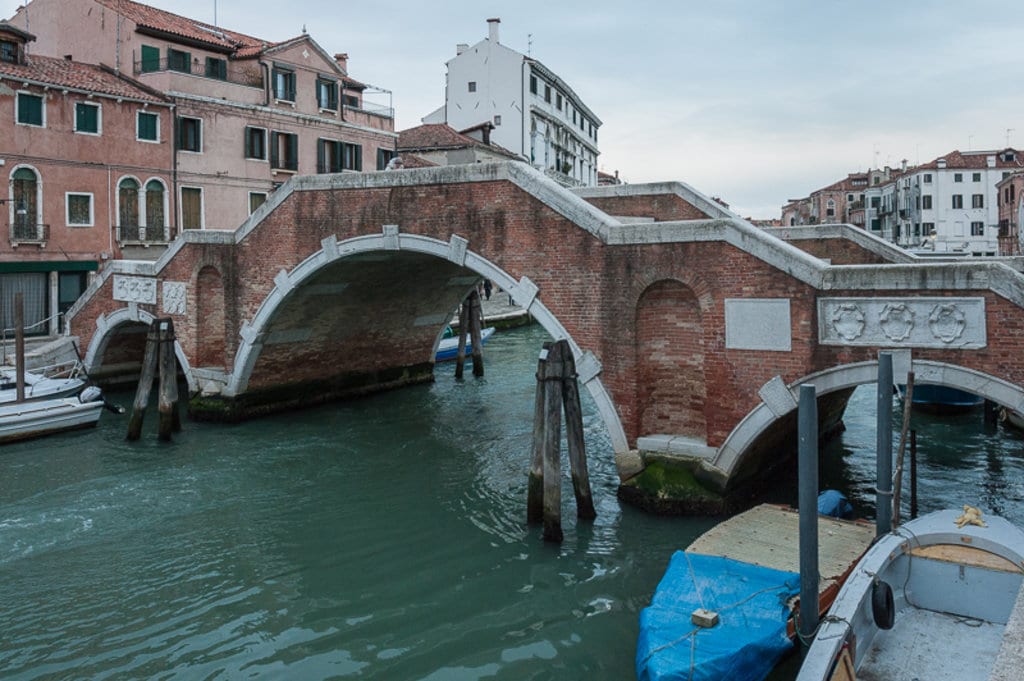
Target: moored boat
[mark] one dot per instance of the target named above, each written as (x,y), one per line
(448,348)
(26,420)
(942,398)
(929,600)
(41,384)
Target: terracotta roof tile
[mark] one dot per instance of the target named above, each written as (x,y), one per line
(413,161)
(64,73)
(976,160)
(166,22)
(443,136)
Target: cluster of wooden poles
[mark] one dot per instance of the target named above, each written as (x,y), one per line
(159,353)
(471,323)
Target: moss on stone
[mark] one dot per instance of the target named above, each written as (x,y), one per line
(671,490)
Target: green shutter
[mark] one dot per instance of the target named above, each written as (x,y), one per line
(30,109)
(358,157)
(86,118)
(293,152)
(248,145)
(147,126)
(150,59)
(274,156)
(320,165)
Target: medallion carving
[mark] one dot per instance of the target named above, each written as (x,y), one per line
(947,322)
(896,321)
(848,321)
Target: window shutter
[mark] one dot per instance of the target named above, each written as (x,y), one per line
(321,167)
(248,142)
(358,165)
(291,87)
(177,133)
(274,160)
(293,152)
(150,58)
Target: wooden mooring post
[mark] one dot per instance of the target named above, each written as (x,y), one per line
(19,347)
(160,358)
(557,389)
(470,323)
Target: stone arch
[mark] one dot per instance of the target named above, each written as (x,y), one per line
(730,455)
(107,327)
(671,392)
(524,292)
(210,319)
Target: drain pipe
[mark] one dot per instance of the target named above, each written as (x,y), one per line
(883,460)
(808,506)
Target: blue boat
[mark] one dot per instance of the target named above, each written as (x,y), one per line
(942,398)
(749,637)
(448,348)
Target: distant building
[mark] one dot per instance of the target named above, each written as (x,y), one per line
(948,205)
(440,144)
(535,114)
(607,180)
(87,162)
(1010,199)
(249,113)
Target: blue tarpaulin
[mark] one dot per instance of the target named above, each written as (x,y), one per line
(749,638)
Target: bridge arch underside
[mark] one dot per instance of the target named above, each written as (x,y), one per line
(363,323)
(763,439)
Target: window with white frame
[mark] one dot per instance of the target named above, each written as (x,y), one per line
(88,118)
(977,229)
(31,110)
(190,134)
(977,201)
(256,143)
(284,84)
(147,126)
(256,199)
(78,209)
(958,200)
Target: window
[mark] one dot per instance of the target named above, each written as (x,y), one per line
(191,208)
(31,110)
(351,156)
(928,228)
(876,201)
(79,209)
(178,60)
(876,225)
(256,143)
(547,93)
(147,127)
(328,156)
(284,151)
(977,201)
(351,101)
(533,85)
(927,178)
(87,118)
(958,201)
(256,199)
(150,59)
(216,68)
(497,119)
(384,157)
(156,222)
(8,51)
(25,187)
(558,102)
(327,94)
(830,208)
(926,202)
(958,177)
(976,177)
(1009,157)
(977,229)
(190,134)
(472,86)
(284,84)
(128,210)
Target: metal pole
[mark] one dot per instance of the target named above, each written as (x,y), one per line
(808,500)
(883,461)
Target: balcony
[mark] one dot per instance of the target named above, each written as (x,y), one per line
(248,73)
(137,234)
(25,233)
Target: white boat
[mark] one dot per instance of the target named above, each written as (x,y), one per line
(25,420)
(929,600)
(61,380)
(448,348)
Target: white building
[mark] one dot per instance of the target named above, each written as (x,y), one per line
(534,112)
(948,205)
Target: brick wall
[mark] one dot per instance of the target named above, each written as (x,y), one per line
(661,207)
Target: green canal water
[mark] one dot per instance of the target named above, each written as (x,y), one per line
(378,539)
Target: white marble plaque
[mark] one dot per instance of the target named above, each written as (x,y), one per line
(758,324)
(174,297)
(924,322)
(135,289)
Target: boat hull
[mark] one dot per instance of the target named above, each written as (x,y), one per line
(28,420)
(942,398)
(448,348)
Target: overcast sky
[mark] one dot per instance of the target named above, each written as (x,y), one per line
(755,101)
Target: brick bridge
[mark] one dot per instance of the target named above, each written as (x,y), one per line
(692,328)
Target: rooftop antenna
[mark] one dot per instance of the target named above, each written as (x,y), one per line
(1008,131)
(214,12)
(529,44)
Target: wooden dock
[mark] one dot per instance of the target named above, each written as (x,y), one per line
(769,535)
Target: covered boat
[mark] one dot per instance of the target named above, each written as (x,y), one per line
(929,600)
(26,420)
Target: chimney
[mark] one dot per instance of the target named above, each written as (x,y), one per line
(492,29)
(941,163)
(903,165)
(460,48)
(342,60)
(990,161)
(67,57)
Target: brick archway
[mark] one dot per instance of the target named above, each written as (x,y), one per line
(729,457)
(523,292)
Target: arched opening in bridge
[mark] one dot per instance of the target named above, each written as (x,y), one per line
(671,390)
(210,322)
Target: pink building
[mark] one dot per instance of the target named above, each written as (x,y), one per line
(87,158)
(250,113)
(1010,200)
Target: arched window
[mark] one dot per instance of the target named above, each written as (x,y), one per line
(155,213)
(128,209)
(25,196)
(830,208)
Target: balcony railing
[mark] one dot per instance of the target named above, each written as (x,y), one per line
(24,233)
(137,234)
(248,74)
